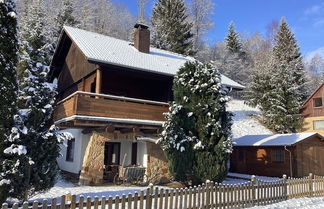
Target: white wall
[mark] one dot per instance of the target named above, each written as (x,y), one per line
(142,154)
(81,142)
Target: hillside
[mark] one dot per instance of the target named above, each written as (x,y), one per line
(243,123)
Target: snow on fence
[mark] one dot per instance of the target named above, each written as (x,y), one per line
(207,196)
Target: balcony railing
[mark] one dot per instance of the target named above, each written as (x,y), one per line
(103,105)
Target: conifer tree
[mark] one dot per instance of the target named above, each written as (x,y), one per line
(34,140)
(287,82)
(171,27)
(65,17)
(232,40)
(8,84)
(197,131)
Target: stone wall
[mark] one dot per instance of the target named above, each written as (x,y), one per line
(157,165)
(93,162)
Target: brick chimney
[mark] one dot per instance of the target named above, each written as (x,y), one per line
(142,38)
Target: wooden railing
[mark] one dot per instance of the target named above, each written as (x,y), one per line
(210,195)
(102,105)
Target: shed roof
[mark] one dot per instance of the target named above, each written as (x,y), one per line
(103,49)
(273,140)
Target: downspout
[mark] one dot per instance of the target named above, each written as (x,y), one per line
(290,160)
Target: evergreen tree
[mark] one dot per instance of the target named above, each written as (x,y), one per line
(8,84)
(196,133)
(34,141)
(232,40)
(287,82)
(65,17)
(171,28)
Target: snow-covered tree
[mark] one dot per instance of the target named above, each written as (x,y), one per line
(8,84)
(315,72)
(200,11)
(232,40)
(288,82)
(196,135)
(34,141)
(171,27)
(65,17)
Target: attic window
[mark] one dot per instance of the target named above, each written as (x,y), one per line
(278,156)
(318,102)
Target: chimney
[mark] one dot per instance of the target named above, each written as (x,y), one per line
(142,38)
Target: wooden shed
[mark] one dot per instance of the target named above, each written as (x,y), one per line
(295,154)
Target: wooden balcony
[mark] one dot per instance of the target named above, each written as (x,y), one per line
(105,108)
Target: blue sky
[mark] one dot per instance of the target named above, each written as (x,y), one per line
(305,17)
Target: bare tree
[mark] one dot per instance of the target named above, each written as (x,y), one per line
(200,11)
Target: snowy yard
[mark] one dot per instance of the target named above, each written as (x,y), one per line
(63,187)
(300,203)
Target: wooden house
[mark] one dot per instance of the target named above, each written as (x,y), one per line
(111,96)
(313,112)
(295,155)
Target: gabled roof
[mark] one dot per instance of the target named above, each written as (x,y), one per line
(313,93)
(273,140)
(99,48)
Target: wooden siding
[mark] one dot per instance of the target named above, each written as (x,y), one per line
(110,106)
(257,161)
(308,109)
(310,156)
(74,69)
(307,157)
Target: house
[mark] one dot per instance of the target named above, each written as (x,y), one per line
(295,154)
(313,112)
(111,96)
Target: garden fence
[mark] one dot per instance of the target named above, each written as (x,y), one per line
(206,196)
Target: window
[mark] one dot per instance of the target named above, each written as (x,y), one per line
(317,102)
(318,124)
(70,150)
(241,155)
(278,155)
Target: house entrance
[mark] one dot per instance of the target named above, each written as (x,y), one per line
(111,160)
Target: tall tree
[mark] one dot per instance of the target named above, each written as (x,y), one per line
(315,72)
(171,27)
(65,17)
(196,134)
(8,85)
(34,140)
(287,82)
(199,14)
(232,40)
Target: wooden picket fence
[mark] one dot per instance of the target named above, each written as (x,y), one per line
(207,196)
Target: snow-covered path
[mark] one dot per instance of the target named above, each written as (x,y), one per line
(243,123)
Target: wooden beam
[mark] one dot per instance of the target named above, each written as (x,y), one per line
(98,81)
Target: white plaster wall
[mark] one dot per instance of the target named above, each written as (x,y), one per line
(80,143)
(125,148)
(142,154)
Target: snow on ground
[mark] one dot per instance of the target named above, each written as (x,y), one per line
(300,203)
(243,123)
(63,187)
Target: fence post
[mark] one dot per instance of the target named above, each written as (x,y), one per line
(254,190)
(285,186)
(208,194)
(311,184)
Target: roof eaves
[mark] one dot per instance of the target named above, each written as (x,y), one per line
(312,95)
(96,61)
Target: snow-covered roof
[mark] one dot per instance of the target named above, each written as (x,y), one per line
(108,50)
(273,140)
